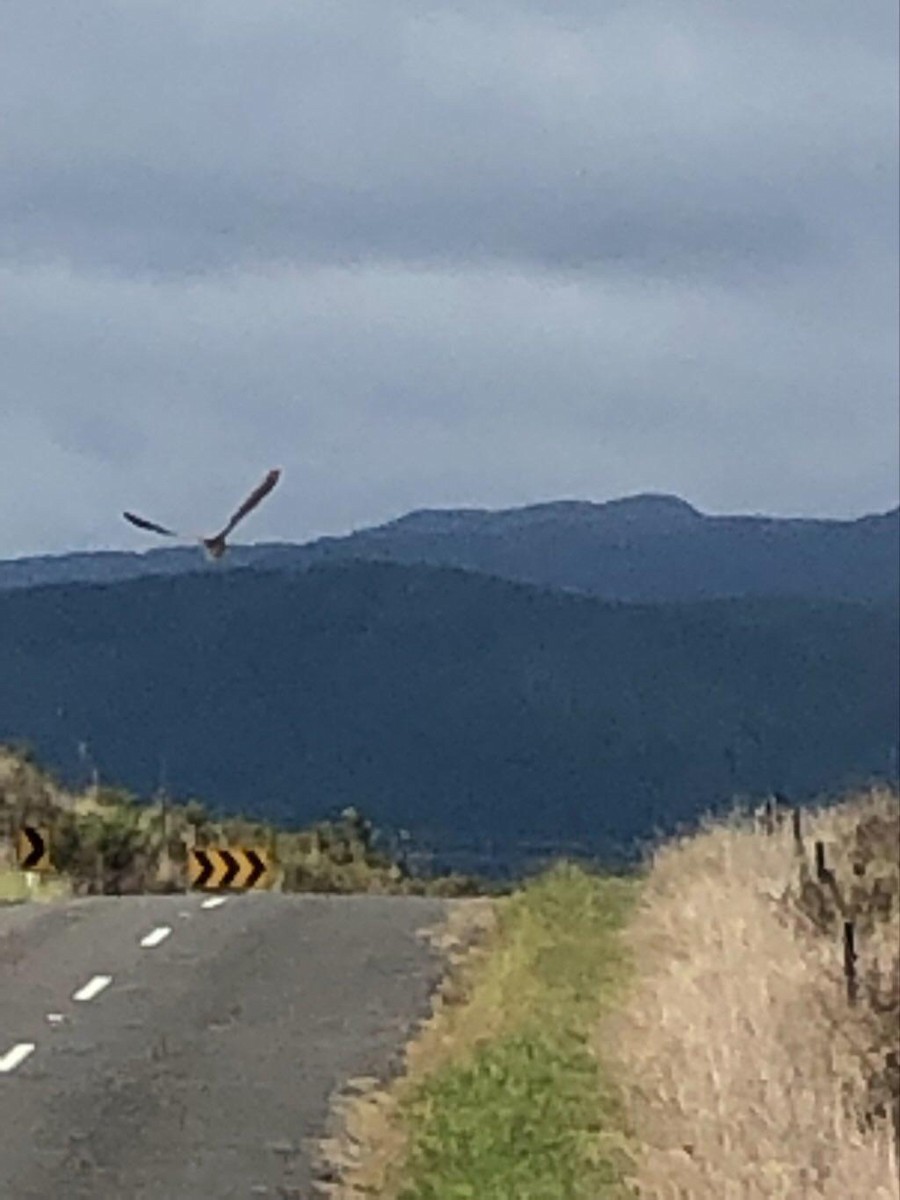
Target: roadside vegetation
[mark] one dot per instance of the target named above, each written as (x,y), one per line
(15,887)
(748,1070)
(686,1034)
(104,840)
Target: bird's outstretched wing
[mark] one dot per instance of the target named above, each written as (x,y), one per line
(143,523)
(252,500)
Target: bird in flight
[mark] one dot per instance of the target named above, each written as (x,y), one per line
(215,546)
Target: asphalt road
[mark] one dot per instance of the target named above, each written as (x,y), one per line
(200,1063)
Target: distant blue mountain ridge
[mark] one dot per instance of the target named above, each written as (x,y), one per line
(647,548)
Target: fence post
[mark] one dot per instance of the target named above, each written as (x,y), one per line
(798,832)
(821,869)
(850,961)
(770,816)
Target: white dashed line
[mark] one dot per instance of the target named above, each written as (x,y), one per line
(213,902)
(55,1018)
(158,935)
(12,1058)
(93,987)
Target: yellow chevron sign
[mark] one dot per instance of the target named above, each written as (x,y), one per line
(33,849)
(229,867)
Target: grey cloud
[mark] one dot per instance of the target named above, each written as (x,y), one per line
(382,390)
(479,253)
(139,220)
(169,142)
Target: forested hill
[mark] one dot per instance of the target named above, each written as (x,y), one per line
(641,548)
(451,703)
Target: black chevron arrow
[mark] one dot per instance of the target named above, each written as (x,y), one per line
(232,867)
(36,853)
(257,867)
(206,867)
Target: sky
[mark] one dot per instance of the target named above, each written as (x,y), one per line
(484,253)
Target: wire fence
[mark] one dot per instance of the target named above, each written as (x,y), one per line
(849,892)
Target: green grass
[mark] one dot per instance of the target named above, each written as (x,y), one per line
(14,886)
(522,1108)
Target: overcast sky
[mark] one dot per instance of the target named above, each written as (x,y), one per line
(486,253)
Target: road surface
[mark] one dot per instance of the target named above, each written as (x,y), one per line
(173,1047)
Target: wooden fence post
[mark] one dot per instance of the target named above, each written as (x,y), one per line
(770,816)
(850,957)
(821,869)
(798,832)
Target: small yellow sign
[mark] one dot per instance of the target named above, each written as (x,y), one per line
(33,849)
(216,867)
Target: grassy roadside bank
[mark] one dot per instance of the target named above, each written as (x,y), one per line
(750,1072)
(688,1033)
(15,888)
(502,1095)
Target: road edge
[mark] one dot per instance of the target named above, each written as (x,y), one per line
(363,1139)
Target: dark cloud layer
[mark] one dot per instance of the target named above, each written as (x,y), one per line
(458,254)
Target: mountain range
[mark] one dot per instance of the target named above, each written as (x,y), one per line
(642,549)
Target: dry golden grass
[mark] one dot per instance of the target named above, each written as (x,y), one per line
(747,1072)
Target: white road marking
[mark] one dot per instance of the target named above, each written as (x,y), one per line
(16,1055)
(158,935)
(93,987)
(55,1018)
(213,902)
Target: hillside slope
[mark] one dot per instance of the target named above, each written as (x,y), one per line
(444,701)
